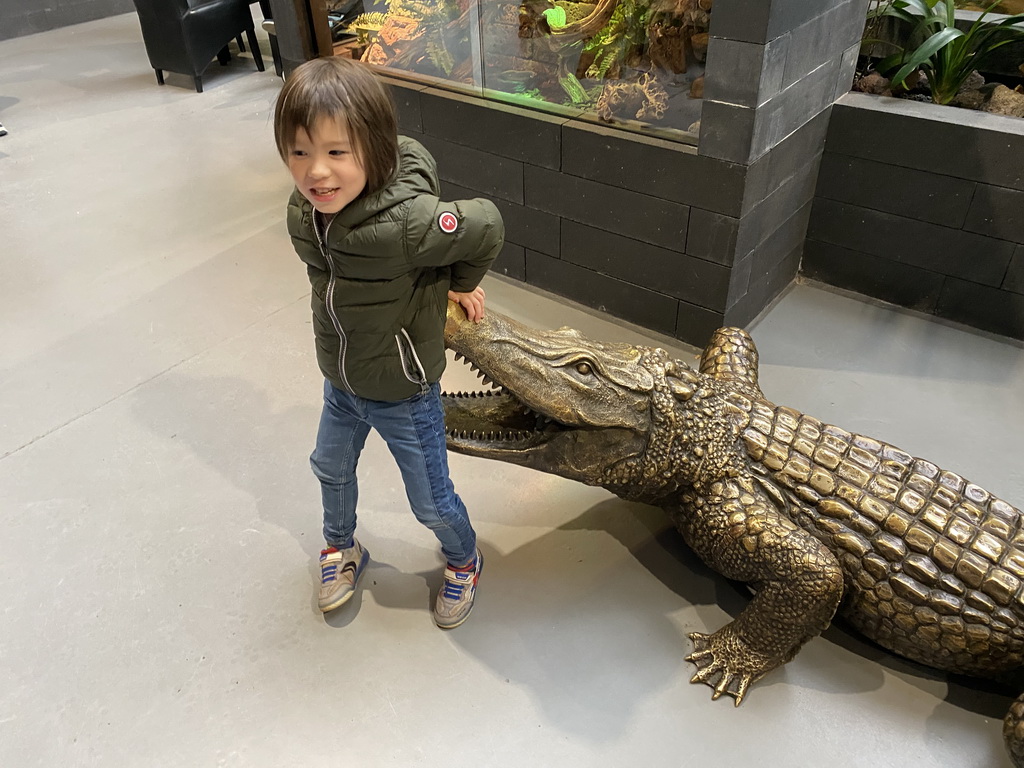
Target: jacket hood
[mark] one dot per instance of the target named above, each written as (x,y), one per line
(416,175)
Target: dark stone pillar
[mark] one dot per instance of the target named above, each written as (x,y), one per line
(774,69)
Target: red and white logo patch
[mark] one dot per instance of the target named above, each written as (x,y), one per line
(448,222)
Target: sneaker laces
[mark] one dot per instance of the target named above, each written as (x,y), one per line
(456,581)
(328,572)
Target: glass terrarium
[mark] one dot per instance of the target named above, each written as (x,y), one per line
(635,64)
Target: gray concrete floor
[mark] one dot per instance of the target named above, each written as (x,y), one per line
(158,401)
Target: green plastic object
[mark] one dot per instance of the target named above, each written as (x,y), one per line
(555,17)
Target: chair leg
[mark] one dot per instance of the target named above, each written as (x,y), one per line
(159,76)
(223,55)
(241,45)
(198,80)
(251,34)
(275,53)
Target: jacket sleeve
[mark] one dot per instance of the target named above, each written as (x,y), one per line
(465,235)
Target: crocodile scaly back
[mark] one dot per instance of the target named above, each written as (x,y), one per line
(934,564)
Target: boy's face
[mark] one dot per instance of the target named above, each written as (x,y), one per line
(326,167)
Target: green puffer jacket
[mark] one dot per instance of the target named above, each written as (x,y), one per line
(380,287)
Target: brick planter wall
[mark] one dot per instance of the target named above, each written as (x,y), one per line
(923,206)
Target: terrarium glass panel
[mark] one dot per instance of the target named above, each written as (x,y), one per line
(634,64)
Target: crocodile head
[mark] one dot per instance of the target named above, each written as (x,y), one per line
(563,404)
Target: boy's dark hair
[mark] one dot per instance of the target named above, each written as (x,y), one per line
(341,89)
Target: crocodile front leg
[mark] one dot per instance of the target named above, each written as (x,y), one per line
(738,532)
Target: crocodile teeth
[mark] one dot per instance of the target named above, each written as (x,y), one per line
(459,356)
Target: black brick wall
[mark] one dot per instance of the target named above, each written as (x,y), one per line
(632,214)
(652,167)
(935,223)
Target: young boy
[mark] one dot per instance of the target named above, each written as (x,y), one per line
(383,255)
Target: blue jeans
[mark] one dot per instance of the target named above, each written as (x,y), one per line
(414,431)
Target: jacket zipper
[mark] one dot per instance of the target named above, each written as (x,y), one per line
(343,346)
(417,365)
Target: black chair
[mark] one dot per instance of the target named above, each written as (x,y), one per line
(184,36)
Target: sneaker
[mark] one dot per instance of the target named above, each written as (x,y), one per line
(455,600)
(340,569)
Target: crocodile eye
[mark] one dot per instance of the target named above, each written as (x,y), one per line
(583,368)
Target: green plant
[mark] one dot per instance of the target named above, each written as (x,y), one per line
(625,33)
(371,20)
(437,20)
(945,54)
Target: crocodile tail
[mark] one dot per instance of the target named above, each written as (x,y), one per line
(1013,732)
(731,356)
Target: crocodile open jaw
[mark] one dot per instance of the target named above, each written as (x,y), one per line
(517,415)
(494,419)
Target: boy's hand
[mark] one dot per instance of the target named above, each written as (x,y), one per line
(472,302)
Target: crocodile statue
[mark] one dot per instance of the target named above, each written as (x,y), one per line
(815,519)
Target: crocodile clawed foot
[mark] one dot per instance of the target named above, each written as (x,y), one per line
(727,663)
